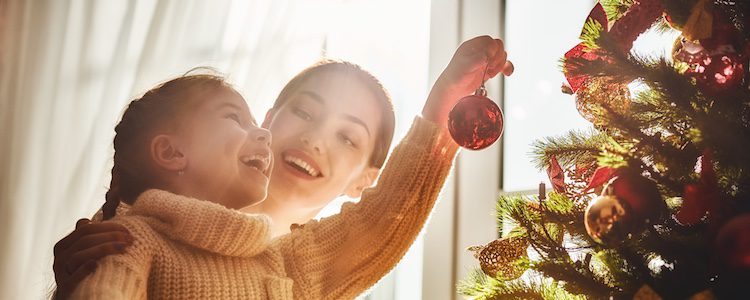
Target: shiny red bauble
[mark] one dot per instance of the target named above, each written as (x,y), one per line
(720,73)
(733,244)
(475,122)
(639,194)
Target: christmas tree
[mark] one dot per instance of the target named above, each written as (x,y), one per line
(654,201)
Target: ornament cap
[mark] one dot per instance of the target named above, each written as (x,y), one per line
(481,91)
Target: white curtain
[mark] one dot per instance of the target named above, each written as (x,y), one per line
(68,67)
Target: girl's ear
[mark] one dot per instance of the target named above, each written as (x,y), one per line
(365,180)
(167,154)
(269,117)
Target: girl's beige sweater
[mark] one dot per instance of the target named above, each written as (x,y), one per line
(191,249)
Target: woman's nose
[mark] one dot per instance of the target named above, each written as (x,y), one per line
(312,142)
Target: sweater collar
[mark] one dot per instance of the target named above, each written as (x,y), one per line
(203,224)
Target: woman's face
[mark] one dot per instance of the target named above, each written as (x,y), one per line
(228,156)
(324,135)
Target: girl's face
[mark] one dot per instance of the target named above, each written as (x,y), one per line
(324,135)
(228,157)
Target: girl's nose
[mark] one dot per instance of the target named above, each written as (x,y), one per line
(262,135)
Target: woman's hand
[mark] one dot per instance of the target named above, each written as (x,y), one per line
(464,75)
(77,253)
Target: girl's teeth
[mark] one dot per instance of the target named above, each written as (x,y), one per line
(263,160)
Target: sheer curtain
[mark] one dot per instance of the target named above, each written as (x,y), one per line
(68,67)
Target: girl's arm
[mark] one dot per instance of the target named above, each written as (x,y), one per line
(343,255)
(122,276)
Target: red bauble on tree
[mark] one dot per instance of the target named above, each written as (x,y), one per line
(721,73)
(714,62)
(639,193)
(476,122)
(732,251)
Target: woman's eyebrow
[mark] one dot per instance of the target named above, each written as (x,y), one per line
(359,121)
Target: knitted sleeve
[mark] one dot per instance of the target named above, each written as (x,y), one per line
(122,276)
(341,256)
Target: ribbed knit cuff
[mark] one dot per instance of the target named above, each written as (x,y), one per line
(424,132)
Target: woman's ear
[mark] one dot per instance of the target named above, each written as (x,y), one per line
(269,117)
(365,180)
(167,154)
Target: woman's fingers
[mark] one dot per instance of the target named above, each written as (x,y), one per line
(86,236)
(96,239)
(508,68)
(94,253)
(83,229)
(82,222)
(498,61)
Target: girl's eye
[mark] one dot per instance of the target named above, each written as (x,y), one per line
(234,117)
(346,140)
(302,114)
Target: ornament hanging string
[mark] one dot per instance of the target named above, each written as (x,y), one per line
(482,90)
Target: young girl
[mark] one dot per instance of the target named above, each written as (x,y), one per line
(352,237)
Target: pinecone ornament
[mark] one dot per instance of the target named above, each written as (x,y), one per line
(497,258)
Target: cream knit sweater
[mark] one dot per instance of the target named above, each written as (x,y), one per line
(191,249)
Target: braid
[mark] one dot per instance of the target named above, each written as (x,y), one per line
(123,136)
(113,195)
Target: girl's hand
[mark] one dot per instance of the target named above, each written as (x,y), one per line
(464,75)
(77,253)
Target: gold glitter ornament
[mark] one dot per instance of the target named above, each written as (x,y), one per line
(607,219)
(497,258)
(596,93)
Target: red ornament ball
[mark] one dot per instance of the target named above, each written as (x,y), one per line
(733,244)
(639,194)
(723,69)
(476,122)
(720,73)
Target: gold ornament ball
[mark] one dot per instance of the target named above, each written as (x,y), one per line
(499,256)
(608,219)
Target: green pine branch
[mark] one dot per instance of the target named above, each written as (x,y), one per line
(577,147)
(480,286)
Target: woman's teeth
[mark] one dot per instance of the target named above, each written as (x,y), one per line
(302,165)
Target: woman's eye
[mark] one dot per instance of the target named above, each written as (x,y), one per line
(346,140)
(302,114)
